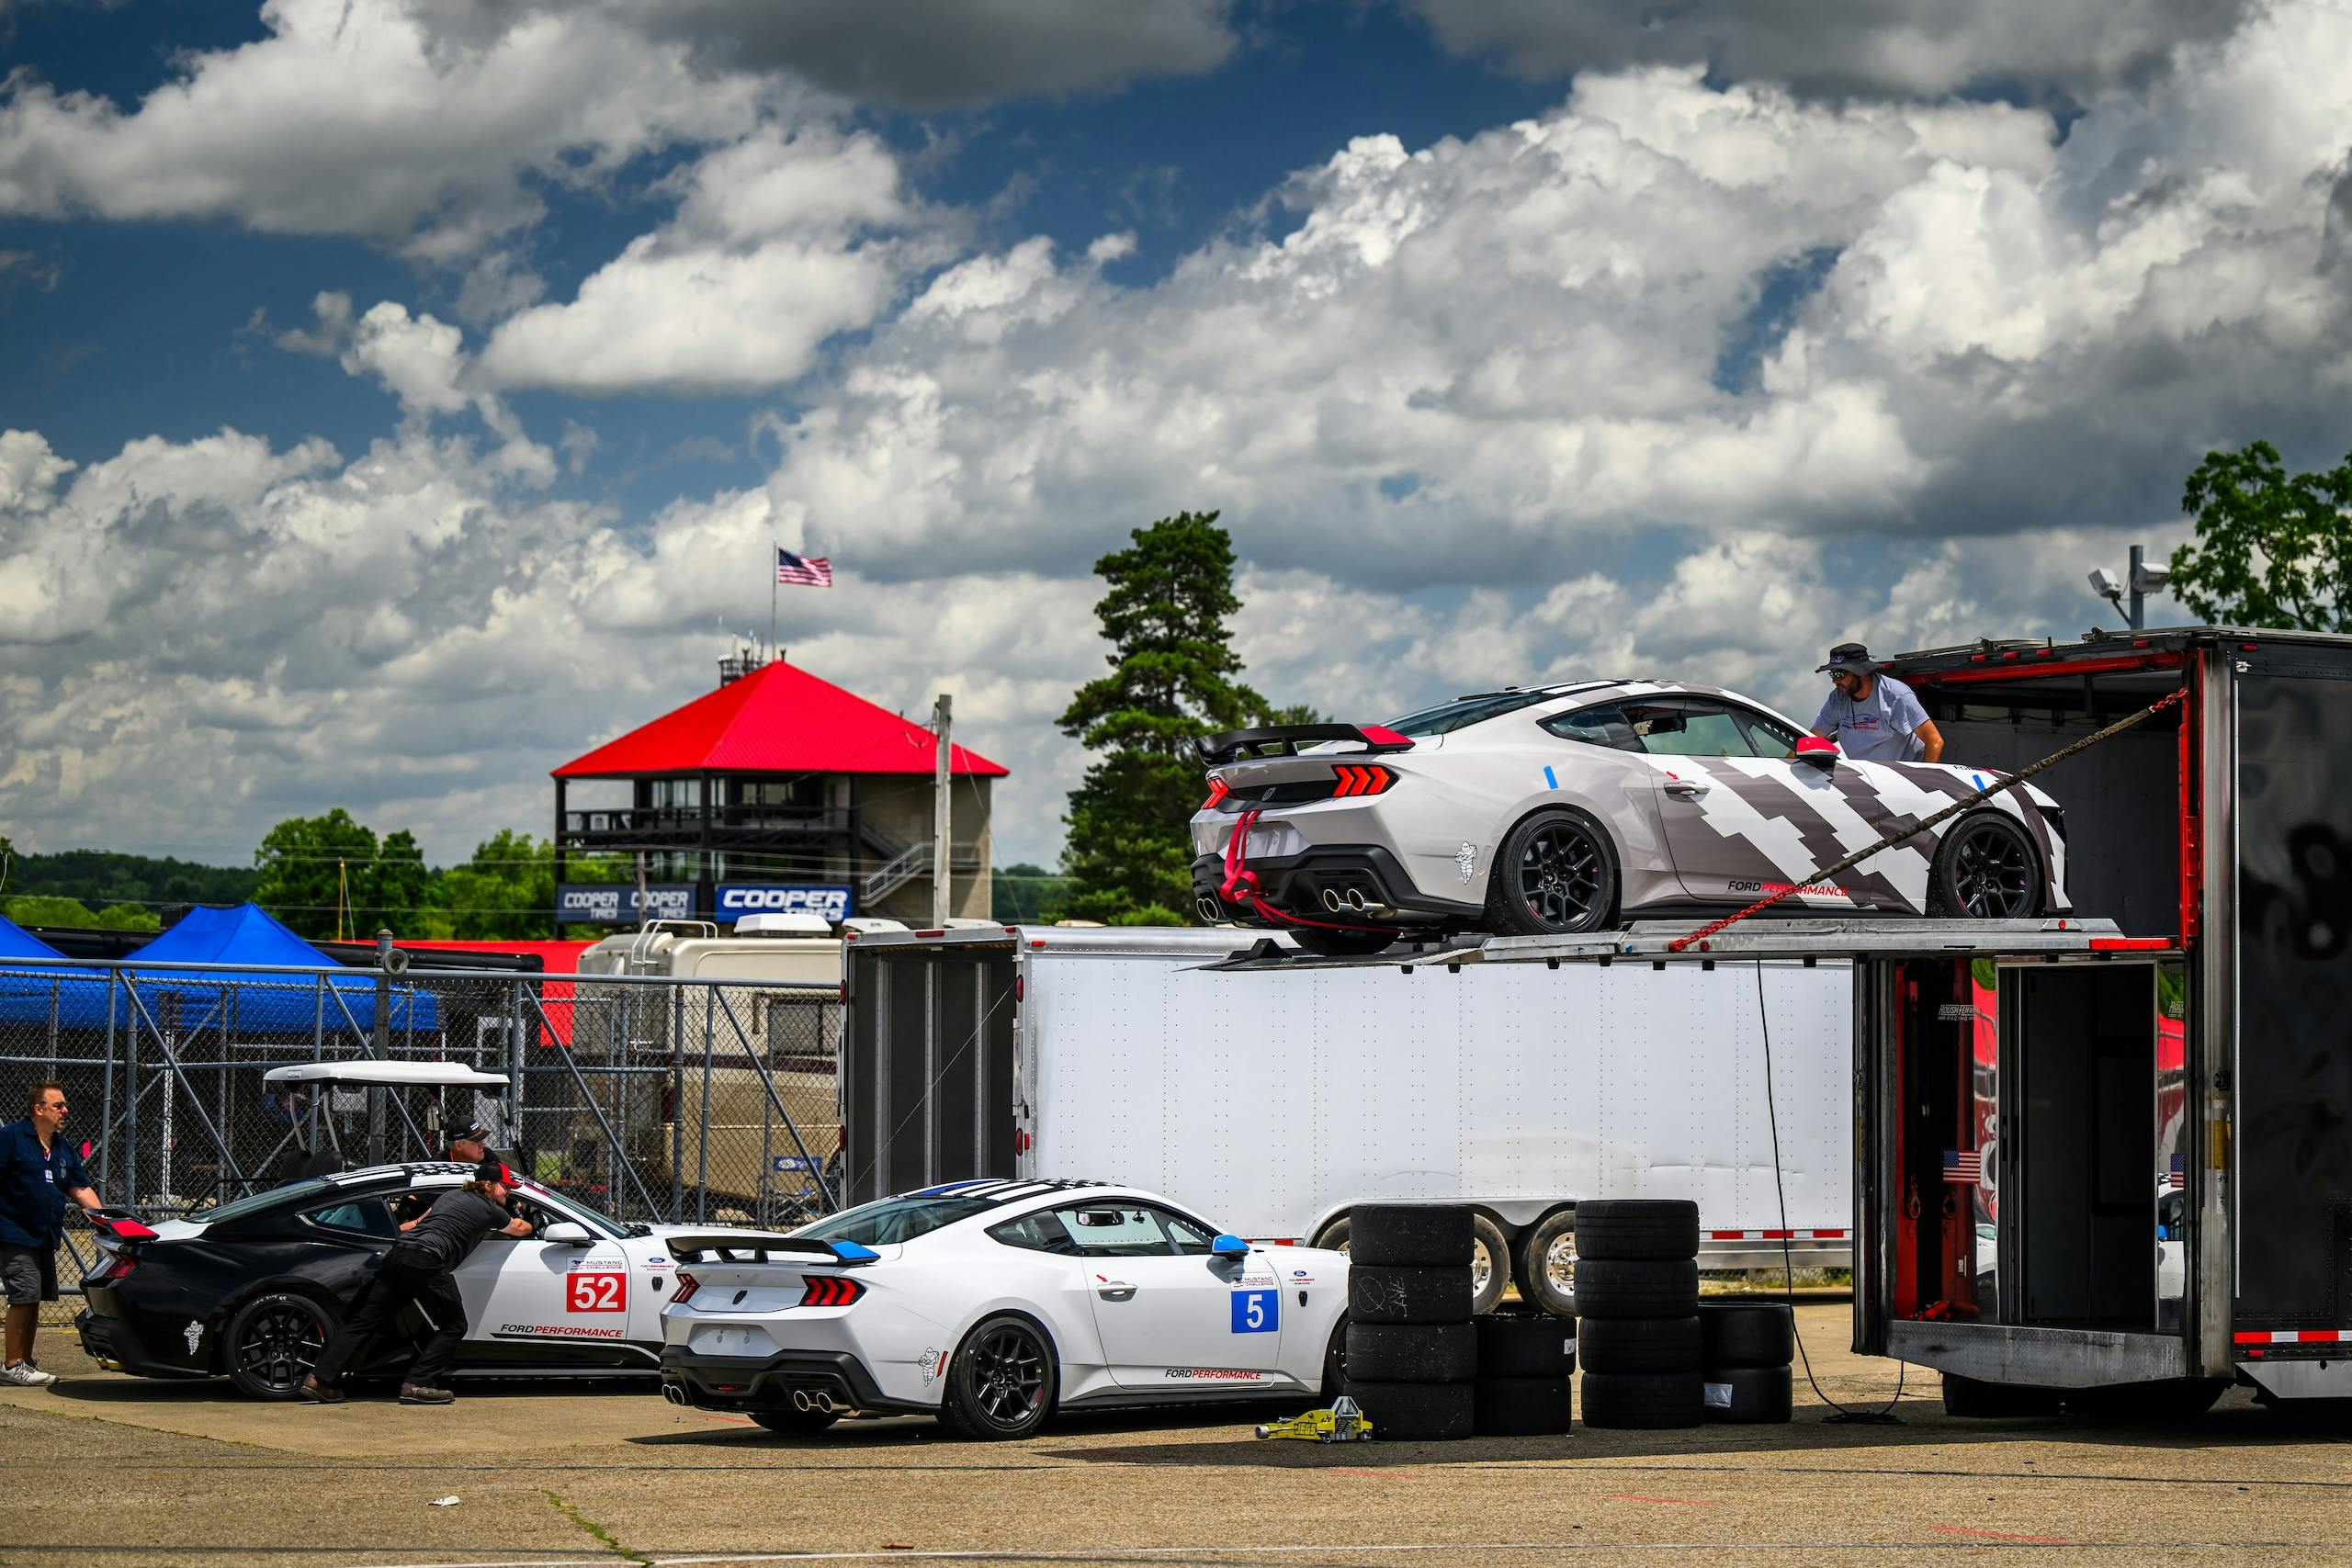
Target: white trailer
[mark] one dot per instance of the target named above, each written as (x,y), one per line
(1278,1100)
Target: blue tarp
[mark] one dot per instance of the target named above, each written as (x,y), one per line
(267,1003)
(37,992)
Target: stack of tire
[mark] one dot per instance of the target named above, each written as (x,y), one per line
(1526,1360)
(1637,1292)
(1745,1348)
(1412,1364)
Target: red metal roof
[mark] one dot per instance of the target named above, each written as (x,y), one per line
(778,719)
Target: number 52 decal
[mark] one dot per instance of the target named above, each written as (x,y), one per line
(595,1292)
(1257,1311)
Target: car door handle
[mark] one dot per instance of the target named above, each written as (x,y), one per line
(1685,789)
(1116,1290)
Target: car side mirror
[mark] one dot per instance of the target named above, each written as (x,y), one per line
(569,1233)
(1817,752)
(1228,1246)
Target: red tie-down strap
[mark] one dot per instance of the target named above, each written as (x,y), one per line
(1241,884)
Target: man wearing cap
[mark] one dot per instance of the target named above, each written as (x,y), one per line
(419,1267)
(1872,717)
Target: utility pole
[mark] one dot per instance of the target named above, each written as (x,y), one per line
(939,797)
(2138,611)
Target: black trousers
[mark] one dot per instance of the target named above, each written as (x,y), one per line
(436,1295)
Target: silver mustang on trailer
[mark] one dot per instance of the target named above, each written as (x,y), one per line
(1559,810)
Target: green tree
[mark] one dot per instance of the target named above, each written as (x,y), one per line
(1019,894)
(48,909)
(320,872)
(1173,676)
(2272,548)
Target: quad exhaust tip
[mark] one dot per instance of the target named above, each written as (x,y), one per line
(1331,900)
(673,1394)
(1355,900)
(802,1399)
(1208,909)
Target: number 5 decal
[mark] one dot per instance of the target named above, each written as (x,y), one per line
(1257,1311)
(595,1292)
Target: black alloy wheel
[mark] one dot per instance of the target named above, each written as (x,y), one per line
(1554,875)
(1001,1382)
(1987,871)
(273,1343)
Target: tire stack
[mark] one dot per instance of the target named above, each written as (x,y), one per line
(1412,1353)
(1525,1363)
(1745,1348)
(1637,1290)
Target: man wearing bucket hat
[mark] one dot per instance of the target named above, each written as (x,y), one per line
(1873,717)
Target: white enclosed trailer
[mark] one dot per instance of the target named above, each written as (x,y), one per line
(1281,1098)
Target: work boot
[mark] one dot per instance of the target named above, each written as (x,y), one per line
(417,1394)
(318,1393)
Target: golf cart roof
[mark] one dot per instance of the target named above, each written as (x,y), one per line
(392,1074)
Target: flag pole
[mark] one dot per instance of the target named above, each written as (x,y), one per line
(775,549)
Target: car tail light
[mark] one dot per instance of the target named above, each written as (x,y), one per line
(829,1290)
(687,1286)
(118,1265)
(1357,779)
(1217,791)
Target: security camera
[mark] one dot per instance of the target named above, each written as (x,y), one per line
(2105,584)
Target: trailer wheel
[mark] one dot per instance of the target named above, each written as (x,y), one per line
(1526,1345)
(1409,1235)
(1751,1395)
(1643,1403)
(1416,1411)
(1987,868)
(1407,1295)
(1553,875)
(1521,1407)
(1637,1229)
(1612,1288)
(1413,1352)
(1640,1346)
(1490,1264)
(1547,1265)
(1747,1334)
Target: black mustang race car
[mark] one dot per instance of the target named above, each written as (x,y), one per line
(251,1289)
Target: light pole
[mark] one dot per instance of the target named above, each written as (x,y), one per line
(2142,580)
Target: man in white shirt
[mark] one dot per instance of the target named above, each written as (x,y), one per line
(1873,717)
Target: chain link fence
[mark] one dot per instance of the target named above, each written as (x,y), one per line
(646,1098)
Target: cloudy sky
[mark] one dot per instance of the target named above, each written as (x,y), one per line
(399,396)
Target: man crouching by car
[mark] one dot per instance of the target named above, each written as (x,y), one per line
(419,1268)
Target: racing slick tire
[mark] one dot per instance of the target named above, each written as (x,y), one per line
(1555,875)
(1521,1407)
(1746,1334)
(1417,1412)
(1607,1286)
(1409,1235)
(1987,868)
(1407,1295)
(1750,1395)
(1002,1381)
(1413,1352)
(1526,1345)
(272,1343)
(1546,1265)
(1643,1403)
(795,1423)
(1637,1230)
(1341,944)
(1640,1346)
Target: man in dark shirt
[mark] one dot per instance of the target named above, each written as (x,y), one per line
(419,1268)
(40,1170)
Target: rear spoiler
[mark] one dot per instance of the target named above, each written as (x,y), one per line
(1284,740)
(755,1247)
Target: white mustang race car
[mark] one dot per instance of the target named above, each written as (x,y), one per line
(992,1303)
(1565,808)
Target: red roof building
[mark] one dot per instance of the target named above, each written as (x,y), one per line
(776,782)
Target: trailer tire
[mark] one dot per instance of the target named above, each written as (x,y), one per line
(1411,1236)
(1413,1352)
(1526,1345)
(1643,1403)
(1618,1288)
(1747,1395)
(1546,1265)
(1416,1411)
(1637,1230)
(1640,1346)
(1746,1334)
(1487,1241)
(1975,1399)
(1521,1407)
(1407,1295)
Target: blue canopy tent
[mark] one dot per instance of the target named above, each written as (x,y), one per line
(43,994)
(265,1003)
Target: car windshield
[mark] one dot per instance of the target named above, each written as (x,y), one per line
(893,1219)
(1463,712)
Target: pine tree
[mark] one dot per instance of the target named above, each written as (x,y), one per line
(1173,676)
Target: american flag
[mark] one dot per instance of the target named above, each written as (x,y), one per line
(812,572)
(2179,1175)
(1964,1166)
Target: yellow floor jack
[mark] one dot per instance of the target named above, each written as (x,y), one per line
(1343,1423)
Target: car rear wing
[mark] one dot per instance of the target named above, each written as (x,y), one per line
(1284,740)
(760,1247)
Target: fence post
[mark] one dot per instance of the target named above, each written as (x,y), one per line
(105,1112)
(514,1060)
(677,1104)
(702,1150)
